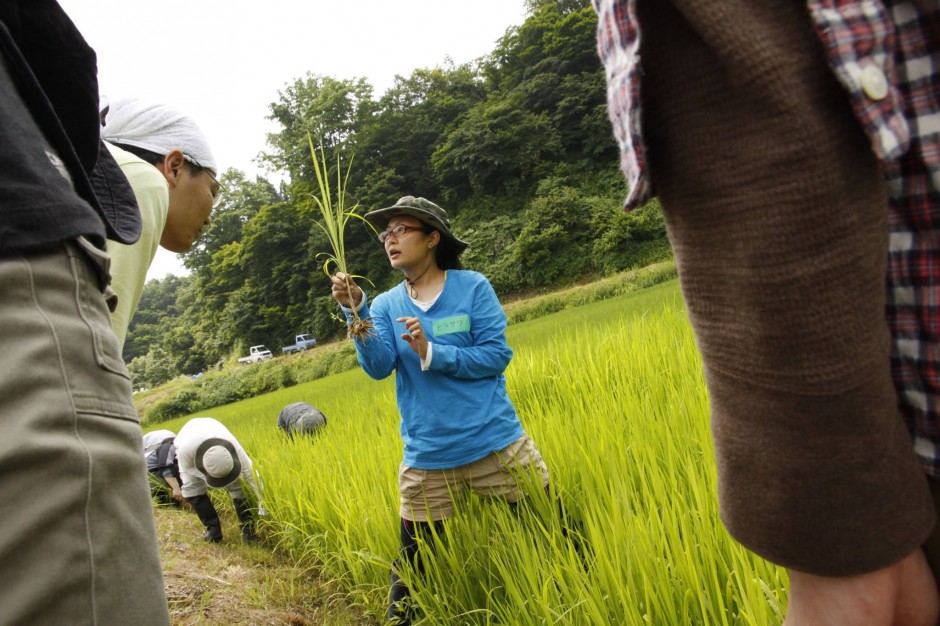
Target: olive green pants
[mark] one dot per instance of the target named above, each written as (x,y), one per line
(78,544)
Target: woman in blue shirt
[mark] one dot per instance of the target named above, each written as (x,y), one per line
(442,330)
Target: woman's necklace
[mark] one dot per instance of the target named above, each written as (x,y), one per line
(411,283)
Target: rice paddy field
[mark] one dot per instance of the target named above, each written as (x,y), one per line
(613,395)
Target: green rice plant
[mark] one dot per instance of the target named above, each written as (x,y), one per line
(613,395)
(335,217)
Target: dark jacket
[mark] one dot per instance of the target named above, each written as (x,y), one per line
(49,133)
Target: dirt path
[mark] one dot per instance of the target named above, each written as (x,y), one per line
(232,583)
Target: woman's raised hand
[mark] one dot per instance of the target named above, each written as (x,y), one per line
(345,291)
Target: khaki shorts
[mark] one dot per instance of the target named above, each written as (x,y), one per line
(430,495)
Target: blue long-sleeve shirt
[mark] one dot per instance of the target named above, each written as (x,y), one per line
(458,410)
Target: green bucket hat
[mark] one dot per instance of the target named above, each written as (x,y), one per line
(422,209)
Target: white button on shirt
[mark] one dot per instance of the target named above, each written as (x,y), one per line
(874,82)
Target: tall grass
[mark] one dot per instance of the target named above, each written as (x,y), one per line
(612,393)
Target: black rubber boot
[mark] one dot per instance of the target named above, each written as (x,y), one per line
(245,519)
(203,507)
(399,608)
(213,534)
(572,530)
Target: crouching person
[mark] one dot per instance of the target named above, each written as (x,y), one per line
(210,456)
(160,455)
(300,418)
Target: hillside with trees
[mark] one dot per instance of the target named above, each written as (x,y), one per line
(516,146)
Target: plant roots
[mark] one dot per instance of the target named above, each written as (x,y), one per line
(361,329)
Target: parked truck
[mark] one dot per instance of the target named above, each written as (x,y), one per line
(255,354)
(301,343)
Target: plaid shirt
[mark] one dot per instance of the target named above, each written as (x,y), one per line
(887,56)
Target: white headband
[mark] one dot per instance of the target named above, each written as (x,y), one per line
(158,128)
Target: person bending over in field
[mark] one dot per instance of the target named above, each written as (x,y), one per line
(164,470)
(210,456)
(442,331)
(299,418)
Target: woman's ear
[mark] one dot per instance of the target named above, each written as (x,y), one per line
(434,239)
(172,166)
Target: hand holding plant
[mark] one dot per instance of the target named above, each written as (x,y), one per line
(346,291)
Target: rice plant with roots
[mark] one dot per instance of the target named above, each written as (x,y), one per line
(335,217)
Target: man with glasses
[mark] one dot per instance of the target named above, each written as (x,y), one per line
(170,166)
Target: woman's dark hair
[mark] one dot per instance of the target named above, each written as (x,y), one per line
(448,254)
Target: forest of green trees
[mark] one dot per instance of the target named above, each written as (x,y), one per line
(516,146)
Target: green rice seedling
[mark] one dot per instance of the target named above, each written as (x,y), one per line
(335,217)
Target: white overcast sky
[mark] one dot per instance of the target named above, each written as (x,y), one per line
(222,62)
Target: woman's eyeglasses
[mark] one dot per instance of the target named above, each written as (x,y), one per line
(397,232)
